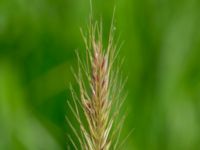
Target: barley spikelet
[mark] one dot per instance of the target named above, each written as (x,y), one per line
(100,97)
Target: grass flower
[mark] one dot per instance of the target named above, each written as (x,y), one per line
(100,93)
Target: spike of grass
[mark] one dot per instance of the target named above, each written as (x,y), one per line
(100,92)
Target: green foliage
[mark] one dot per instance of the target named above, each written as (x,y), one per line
(38,39)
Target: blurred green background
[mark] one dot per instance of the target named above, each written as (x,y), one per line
(38,39)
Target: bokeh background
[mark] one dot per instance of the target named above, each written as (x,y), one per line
(38,39)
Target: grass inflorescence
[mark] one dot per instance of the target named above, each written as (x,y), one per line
(100,92)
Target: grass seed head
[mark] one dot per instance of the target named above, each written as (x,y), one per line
(101,102)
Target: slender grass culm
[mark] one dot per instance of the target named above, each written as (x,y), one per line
(98,103)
